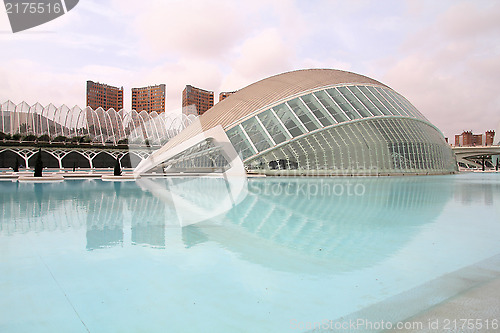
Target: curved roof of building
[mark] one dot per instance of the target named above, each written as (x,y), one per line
(266,92)
(274,89)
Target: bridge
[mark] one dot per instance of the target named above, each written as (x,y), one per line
(475,154)
(62,156)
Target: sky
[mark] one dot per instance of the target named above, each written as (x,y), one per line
(443,56)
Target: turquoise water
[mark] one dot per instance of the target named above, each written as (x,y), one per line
(93,256)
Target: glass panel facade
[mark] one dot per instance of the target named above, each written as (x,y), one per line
(353,101)
(372,146)
(366,102)
(303,114)
(374,100)
(240,142)
(380,145)
(328,103)
(382,100)
(273,127)
(343,103)
(318,110)
(256,134)
(202,156)
(391,96)
(389,100)
(289,120)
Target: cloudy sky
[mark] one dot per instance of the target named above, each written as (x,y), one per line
(444,56)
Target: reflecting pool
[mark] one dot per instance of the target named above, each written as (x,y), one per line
(191,255)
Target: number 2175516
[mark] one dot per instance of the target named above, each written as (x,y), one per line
(33,8)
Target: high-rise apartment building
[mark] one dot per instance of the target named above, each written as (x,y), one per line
(467,138)
(105,96)
(225,94)
(489,136)
(150,98)
(201,99)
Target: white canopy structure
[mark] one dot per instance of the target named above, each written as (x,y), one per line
(101,126)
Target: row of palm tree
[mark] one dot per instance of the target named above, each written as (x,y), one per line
(44,138)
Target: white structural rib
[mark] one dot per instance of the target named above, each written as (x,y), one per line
(219,138)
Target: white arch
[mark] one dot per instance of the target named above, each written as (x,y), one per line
(143,116)
(7,109)
(49,112)
(21,117)
(61,119)
(57,112)
(155,122)
(80,122)
(94,123)
(36,113)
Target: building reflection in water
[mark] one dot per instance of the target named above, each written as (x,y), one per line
(105,219)
(325,221)
(345,223)
(476,191)
(104,209)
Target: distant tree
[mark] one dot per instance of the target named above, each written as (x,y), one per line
(44,138)
(85,139)
(38,164)
(60,138)
(123,141)
(16,137)
(118,169)
(5,136)
(30,137)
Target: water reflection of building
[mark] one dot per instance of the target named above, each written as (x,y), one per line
(103,209)
(104,221)
(345,223)
(148,221)
(477,193)
(336,222)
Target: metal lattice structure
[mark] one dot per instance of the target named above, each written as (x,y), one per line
(101,126)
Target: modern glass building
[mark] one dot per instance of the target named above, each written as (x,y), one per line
(315,122)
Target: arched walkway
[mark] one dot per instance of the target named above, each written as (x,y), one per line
(103,160)
(66,157)
(48,160)
(8,159)
(75,159)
